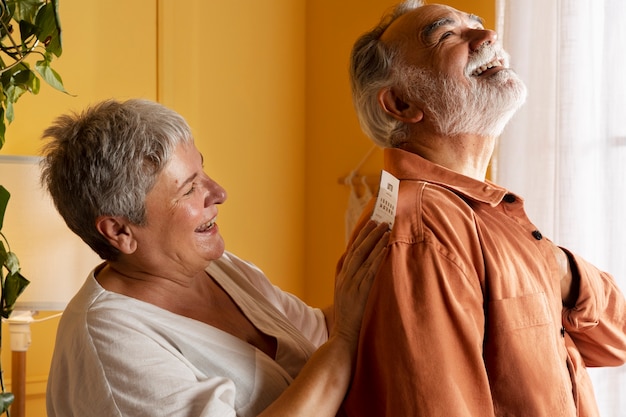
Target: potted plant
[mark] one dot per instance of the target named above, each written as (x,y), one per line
(29,31)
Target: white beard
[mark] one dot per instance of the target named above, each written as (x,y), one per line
(483,108)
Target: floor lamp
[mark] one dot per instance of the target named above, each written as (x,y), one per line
(52,258)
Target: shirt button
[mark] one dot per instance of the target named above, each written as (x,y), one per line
(537,234)
(509,198)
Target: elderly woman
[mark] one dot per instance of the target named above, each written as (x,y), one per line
(170,324)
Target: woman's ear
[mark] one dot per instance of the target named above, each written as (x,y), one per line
(118,232)
(398,108)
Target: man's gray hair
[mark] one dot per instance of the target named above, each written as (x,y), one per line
(372,69)
(105,160)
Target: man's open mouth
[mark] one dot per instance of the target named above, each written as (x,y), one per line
(493,64)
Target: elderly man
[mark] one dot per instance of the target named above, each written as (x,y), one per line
(474,312)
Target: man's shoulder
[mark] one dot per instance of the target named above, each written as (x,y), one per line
(430,196)
(428,211)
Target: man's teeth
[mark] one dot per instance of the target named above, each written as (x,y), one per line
(206,226)
(485,67)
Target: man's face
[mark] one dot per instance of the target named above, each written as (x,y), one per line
(456,71)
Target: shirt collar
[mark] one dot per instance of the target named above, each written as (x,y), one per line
(409,166)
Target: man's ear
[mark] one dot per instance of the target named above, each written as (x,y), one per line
(398,108)
(118,232)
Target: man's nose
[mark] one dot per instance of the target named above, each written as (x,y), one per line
(480,37)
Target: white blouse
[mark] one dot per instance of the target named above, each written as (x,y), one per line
(118,356)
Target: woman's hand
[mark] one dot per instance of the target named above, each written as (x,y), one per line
(322,384)
(354,280)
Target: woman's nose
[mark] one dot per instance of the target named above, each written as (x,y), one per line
(480,37)
(216,194)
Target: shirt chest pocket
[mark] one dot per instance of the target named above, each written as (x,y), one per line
(524,356)
(519,332)
(518,313)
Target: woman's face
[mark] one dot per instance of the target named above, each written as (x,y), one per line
(181,210)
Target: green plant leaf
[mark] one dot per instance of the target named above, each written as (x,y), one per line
(14,285)
(5,195)
(27,30)
(26,79)
(49,75)
(4,255)
(26,10)
(18,75)
(6,12)
(6,399)
(3,127)
(12,263)
(13,93)
(35,17)
(47,21)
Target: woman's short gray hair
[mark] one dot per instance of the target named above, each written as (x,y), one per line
(371,69)
(105,160)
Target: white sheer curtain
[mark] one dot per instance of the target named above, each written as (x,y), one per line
(565,151)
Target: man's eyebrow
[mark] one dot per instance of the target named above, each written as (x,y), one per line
(476,19)
(429,29)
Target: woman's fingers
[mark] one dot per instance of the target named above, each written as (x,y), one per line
(376,257)
(363,256)
(360,266)
(355,279)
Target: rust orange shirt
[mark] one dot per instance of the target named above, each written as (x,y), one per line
(465,318)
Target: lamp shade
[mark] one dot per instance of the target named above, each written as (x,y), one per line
(52,257)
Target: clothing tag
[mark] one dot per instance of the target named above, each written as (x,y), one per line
(385,209)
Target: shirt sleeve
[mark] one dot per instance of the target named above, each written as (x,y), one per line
(597,323)
(309,320)
(428,309)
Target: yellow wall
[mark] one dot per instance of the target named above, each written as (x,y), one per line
(264,87)
(236,71)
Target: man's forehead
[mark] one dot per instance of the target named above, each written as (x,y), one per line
(426,19)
